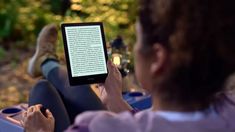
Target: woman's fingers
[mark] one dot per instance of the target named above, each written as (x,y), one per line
(22,123)
(38,107)
(30,109)
(110,66)
(32,112)
(34,120)
(24,114)
(49,114)
(39,112)
(113,70)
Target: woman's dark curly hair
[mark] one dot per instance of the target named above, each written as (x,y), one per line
(200,37)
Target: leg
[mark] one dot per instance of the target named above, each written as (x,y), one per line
(44,93)
(77,99)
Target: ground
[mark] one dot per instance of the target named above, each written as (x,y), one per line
(15,83)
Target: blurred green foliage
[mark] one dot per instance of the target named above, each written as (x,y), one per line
(21,20)
(2,53)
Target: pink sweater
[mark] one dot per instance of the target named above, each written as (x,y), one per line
(149,121)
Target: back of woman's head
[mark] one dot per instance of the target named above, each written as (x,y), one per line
(200,37)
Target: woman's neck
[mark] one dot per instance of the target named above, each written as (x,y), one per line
(161,105)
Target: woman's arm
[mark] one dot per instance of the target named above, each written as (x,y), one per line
(111,91)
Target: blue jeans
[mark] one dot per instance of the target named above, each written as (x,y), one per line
(63,100)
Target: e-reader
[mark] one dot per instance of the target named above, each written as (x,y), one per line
(85,52)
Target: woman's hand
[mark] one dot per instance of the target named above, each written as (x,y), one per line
(113,82)
(35,121)
(111,91)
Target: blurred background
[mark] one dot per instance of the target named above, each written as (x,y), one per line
(22,20)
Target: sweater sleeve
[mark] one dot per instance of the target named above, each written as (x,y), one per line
(103,121)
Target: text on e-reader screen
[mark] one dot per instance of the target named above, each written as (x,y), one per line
(85,48)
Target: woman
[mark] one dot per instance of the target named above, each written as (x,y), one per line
(184,54)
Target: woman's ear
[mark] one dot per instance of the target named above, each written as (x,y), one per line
(159,59)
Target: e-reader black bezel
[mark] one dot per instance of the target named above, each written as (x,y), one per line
(90,79)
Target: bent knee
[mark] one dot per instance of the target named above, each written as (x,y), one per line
(41,87)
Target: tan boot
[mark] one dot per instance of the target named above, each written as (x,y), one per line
(45,49)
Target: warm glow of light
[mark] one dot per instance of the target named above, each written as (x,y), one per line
(116,59)
(76,7)
(132,90)
(76,1)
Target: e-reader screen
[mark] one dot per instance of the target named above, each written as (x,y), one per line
(85,49)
